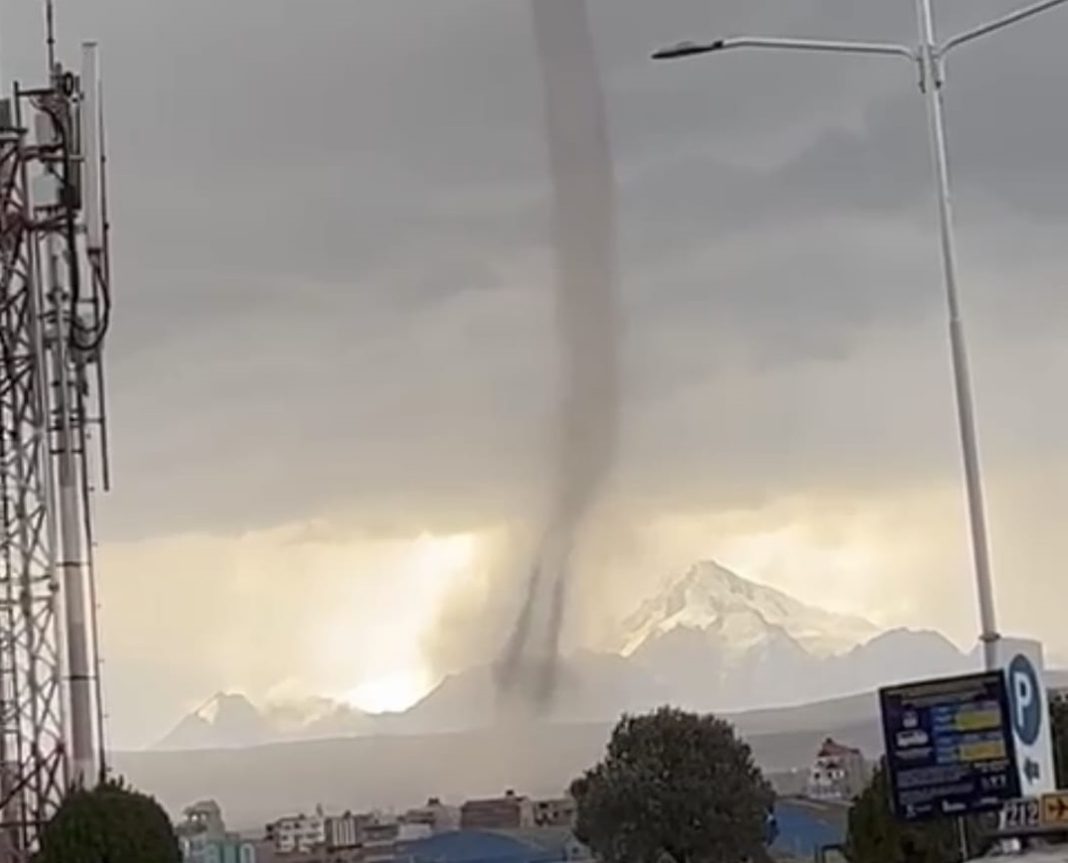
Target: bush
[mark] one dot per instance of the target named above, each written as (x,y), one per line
(109,824)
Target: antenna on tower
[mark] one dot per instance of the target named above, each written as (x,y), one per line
(105,268)
(50,35)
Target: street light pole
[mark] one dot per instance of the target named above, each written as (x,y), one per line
(930,56)
(931,82)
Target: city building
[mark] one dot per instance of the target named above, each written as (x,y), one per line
(557,812)
(205,817)
(435,815)
(318,855)
(510,812)
(298,832)
(383,842)
(346,838)
(230,850)
(193,847)
(203,838)
(839,773)
(346,831)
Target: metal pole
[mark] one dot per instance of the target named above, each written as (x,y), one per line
(999,24)
(931,68)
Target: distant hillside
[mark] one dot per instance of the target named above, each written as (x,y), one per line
(257,784)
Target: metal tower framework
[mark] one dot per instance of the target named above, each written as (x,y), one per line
(55,307)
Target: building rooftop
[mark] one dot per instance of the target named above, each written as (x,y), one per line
(806,826)
(479,846)
(553,839)
(489,801)
(832,749)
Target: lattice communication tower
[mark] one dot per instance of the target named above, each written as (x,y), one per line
(55,308)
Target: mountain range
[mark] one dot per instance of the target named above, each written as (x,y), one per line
(395,771)
(709,640)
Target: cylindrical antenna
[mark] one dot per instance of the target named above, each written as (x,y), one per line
(103,139)
(105,268)
(50,36)
(90,139)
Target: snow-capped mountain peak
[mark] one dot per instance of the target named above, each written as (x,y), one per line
(709,597)
(709,640)
(229,719)
(225,707)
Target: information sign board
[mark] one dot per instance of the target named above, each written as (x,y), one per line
(949,746)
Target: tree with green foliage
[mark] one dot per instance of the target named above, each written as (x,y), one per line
(109,824)
(1059,724)
(674,785)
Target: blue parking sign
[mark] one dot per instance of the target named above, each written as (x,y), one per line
(1025,697)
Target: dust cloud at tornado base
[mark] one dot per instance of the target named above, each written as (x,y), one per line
(587,326)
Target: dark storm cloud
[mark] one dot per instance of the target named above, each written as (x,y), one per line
(332,252)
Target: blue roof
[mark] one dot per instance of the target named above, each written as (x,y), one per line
(476,846)
(805,827)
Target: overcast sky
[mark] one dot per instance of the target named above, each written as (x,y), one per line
(333,331)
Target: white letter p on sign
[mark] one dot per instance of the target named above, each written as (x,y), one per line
(1023,696)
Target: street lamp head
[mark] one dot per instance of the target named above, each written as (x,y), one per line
(688,49)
